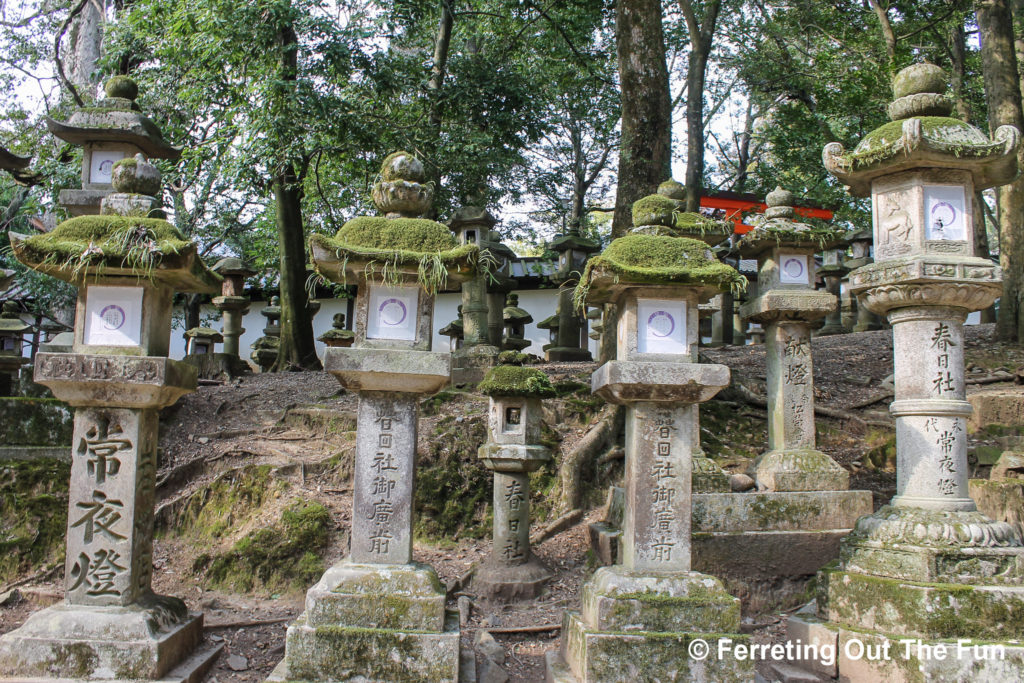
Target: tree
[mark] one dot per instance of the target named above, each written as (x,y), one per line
(645,153)
(1003,93)
(701,29)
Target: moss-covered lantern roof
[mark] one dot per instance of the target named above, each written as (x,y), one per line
(232,265)
(513,314)
(117,246)
(395,248)
(664,214)
(205,333)
(10,322)
(115,118)
(923,134)
(778,227)
(549,323)
(515,380)
(637,260)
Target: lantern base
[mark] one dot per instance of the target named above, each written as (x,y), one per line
(799,469)
(133,642)
(567,354)
(707,476)
(508,583)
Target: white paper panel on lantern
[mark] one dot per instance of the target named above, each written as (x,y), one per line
(113,316)
(392,313)
(102,166)
(944,212)
(661,326)
(793,269)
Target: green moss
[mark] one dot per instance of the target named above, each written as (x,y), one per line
(283,556)
(111,241)
(417,235)
(954,135)
(401,165)
(655,209)
(127,162)
(513,380)
(33,515)
(513,358)
(651,259)
(453,488)
(35,422)
(227,502)
(121,86)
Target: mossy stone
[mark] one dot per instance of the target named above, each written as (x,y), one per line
(919,78)
(655,209)
(515,380)
(121,86)
(402,166)
(135,175)
(673,189)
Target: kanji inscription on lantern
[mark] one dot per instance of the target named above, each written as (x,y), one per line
(98,517)
(663,483)
(793,269)
(661,326)
(392,313)
(98,573)
(113,316)
(381,510)
(946,434)
(943,381)
(944,207)
(101,445)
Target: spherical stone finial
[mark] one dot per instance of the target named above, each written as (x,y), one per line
(400,192)
(673,189)
(918,79)
(780,203)
(135,175)
(121,86)
(920,90)
(275,301)
(339,321)
(403,166)
(512,300)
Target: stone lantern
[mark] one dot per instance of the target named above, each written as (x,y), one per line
(111,131)
(516,320)
(201,341)
(377,615)
(111,625)
(550,324)
(929,566)
(639,616)
(264,349)
(569,342)
(832,270)
(232,302)
(512,451)
(786,305)
(12,339)
(861,245)
(338,336)
(454,331)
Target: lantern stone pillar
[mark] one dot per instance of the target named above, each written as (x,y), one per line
(638,617)
(567,339)
(860,248)
(785,306)
(264,349)
(832,270)
(111,625)
(929,566)
(377,615)
(232,302)
(512,451)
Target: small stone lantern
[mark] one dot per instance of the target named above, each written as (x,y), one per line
(232,302)
(550,324)
(516,320)
(338,336)
(377,599)
(651,605)
(569,342)
(786,305)
(928,566)
(832,270)
(201,341)
(454,331)
(12,339)
(264,349)
(861,247)
(512,451)
(117,377)
(111,131)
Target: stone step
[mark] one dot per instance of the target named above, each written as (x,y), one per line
(785,672)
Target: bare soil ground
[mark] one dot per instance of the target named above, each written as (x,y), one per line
(273,420)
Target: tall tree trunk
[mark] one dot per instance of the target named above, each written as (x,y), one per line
(87,46)
(1003,95)
(298,349)
(645,154)
(438,71)
(701,38)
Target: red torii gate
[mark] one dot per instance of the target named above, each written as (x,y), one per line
(735,204)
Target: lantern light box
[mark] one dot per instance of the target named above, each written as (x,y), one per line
(392,313)
(113,316)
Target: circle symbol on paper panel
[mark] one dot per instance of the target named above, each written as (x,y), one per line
(113,317)
(661,324)
(794,268)
(106,167)
(392,312)
(943,214)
